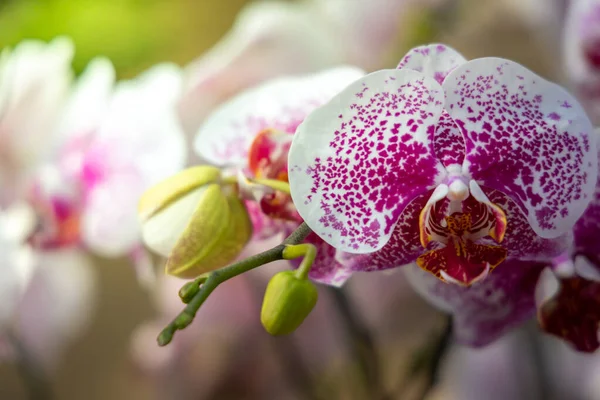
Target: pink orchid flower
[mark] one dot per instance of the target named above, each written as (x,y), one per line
(114,141)
(455,164)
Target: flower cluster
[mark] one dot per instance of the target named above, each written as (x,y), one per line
(479,176)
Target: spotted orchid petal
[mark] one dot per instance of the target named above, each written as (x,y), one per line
(357,162)
(587,228)
(434,60)
(281,104)
(519,239)
(485,310)
(437,61)
(526,137)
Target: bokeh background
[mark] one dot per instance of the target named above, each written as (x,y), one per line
(136,34)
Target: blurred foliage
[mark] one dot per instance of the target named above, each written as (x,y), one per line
(132,33)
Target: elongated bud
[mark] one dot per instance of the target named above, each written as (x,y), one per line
(194,222)
(288,301)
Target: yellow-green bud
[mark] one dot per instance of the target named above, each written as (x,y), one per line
(196,223)
(288,301)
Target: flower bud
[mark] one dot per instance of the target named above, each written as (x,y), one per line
(194,222)
(288,301)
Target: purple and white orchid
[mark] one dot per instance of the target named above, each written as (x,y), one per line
(456,165)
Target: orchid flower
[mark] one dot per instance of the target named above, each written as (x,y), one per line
(114,142)
(456,165)
(582,53)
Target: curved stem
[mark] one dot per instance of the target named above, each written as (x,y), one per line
(305,250)
(214,279)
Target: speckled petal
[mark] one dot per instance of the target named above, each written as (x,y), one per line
(403,247)
(587,228)
(519,238)
(526,137)
(487,309)
(281,104)
(449,144)
(434,60)
(358,161)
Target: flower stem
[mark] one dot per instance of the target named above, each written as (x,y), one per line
(214,279)
(434,363)
(34,379)
(362,345)
(308,251)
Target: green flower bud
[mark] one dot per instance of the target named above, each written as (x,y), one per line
(194,222)
(288,301)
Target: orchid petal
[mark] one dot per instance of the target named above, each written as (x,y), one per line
(519,238)
(280,104)
(109,224)
(572,313)
(586,269)
(485,310)
(449,144)
(435,60)
(58,305)
(358,161)
(88,102)
(141,130)
(403,248)
(587,228)
(526,137)
(34,81)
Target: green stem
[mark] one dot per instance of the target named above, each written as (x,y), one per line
(308,251)
(215,278)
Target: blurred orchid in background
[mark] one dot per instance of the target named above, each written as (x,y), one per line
(75,159)
(582,53)
(276,38)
